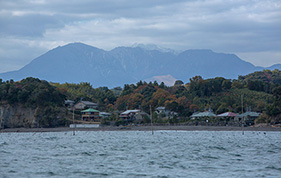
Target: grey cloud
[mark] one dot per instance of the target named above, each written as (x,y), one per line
(224,26)
(28,25)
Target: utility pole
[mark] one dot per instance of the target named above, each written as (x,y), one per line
(151,120)
(73,120)
(242,125)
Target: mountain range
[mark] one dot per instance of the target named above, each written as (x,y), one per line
(78,62)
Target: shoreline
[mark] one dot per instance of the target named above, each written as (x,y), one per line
(143,128)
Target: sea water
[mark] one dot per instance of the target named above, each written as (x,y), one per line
(141,154)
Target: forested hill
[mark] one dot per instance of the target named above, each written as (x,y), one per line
(267,76)
(198,94)
(261,93)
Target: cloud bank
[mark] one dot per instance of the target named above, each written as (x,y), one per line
(250,29)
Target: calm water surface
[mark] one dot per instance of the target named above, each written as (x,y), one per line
(141,154)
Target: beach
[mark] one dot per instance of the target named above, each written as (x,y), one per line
(146,128)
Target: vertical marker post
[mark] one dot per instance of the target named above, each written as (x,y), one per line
(151,120)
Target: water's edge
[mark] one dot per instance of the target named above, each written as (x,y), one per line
(144,128)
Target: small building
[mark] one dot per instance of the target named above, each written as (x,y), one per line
(129,115)
(203,114)
(228,118)
(227,114)
(85,104)
(133,116)
(104,114)
(68,103)
(140,116)
(91,115)
(160,109)
(249,117)
(168,113)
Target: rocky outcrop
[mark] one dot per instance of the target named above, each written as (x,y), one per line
(18,115)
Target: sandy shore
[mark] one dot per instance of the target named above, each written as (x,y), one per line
(144,128)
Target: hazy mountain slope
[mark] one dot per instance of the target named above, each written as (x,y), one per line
(77,62)
(208,64)
(74,63)
(142,63)
(276,66)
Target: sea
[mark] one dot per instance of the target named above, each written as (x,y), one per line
(141,154)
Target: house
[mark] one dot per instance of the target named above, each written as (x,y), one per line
(140,116)
(91,115)
(249,117)
(168,113)
(85,104)
(69,104)
(203,114)
(133,115)
(104,114)
(129,115)
(227,114)
(160,109)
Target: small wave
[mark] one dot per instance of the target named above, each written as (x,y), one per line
(3,144)
(86,154)
(274,168)
(217,148)
(209,157)
(51,138)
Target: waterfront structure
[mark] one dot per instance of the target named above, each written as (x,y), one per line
(168,113)
(85,104)
(133,115)
(129,115)
(104,114)
(69,103)
(91,115)
(249,117)
(203,114)
(227,114)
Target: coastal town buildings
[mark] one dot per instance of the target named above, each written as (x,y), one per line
(91,115)
(85,104)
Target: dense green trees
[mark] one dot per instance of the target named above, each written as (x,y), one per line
(46,100)
(31,92)
(261,92)
(102,95)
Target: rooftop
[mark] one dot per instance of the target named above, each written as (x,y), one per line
(90,110)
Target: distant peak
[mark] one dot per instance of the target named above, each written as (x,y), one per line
(200,50)
(79,45)
(151,47)
(76,44)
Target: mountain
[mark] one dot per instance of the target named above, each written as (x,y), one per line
(78,62)
(209,64)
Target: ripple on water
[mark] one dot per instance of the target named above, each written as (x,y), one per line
(140,154)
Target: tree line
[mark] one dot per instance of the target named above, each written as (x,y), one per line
(261,93)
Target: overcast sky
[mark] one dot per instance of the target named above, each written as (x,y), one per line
(250,29)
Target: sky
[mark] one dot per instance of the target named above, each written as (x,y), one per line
(250,29)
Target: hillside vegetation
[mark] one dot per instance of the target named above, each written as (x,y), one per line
(260,91)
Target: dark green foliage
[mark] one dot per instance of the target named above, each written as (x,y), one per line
(201,87)
(261,92)
(46,100)
(128,89)
(148,91)
(275,108)
(31,92)
(102,95)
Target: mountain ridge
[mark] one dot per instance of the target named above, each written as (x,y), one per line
(78,62)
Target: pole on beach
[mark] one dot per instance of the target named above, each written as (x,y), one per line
(1,123)
(151,120)
(242,121)
(73,120)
